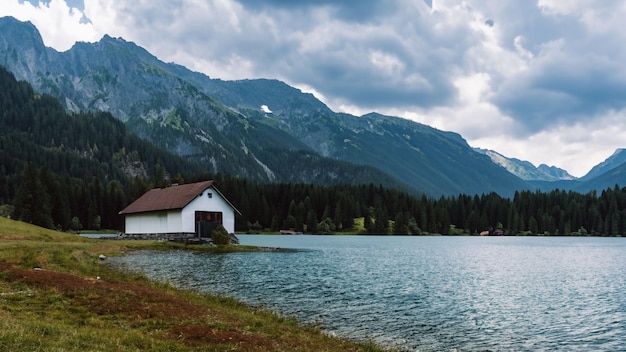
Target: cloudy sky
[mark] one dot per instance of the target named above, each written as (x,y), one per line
(541,80)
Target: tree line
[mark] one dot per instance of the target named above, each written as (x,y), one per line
(314,209)
(66,203)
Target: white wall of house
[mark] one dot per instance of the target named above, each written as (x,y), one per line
(174,222)
(208,203)
(154,222)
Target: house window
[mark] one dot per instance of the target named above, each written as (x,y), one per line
(210,195)
(209,216)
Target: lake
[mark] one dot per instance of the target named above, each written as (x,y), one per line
(424,293)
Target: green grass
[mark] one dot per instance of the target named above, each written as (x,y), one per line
(56,295)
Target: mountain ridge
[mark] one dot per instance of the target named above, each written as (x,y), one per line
(221,124)
(525,169)
(615,160)
(119,77)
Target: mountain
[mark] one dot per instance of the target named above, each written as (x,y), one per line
(121,78)
(609,179)
(36,128)
(556,172)
(616,160)
(220,124)
(525,169)
(605,175)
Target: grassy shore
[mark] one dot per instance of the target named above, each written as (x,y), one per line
(57,295)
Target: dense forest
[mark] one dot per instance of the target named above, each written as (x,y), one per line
(384,211)
(56,202)
(77,171)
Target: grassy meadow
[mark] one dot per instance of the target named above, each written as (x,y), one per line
(57,295)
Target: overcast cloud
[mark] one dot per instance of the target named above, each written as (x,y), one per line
(542,80)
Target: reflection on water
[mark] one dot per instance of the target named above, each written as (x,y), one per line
(429,293)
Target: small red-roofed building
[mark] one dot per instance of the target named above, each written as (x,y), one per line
(191,210)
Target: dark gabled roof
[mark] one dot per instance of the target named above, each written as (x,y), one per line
(170,198)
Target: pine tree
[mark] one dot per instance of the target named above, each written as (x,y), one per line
(32,201)
(401,224)
(311,222)
(381,222)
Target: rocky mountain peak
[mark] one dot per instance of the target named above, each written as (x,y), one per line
(526,170)
(19,32)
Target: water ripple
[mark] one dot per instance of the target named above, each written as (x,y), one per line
(426,293)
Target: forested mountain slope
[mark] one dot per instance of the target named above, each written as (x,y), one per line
(220,124)
(82,154)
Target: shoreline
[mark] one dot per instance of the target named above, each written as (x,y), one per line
(57,292)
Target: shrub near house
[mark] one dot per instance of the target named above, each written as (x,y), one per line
(220,236)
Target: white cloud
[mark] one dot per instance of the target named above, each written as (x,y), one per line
(59,24)
(519,46)
(388,63)
(472,116)
(575,147)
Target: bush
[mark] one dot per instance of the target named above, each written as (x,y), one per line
(6,210)
(220,236)
(76,224)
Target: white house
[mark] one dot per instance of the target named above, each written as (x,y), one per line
(186,210)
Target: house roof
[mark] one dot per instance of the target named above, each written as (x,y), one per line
(170,198)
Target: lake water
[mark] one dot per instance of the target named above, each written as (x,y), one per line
(425,293)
